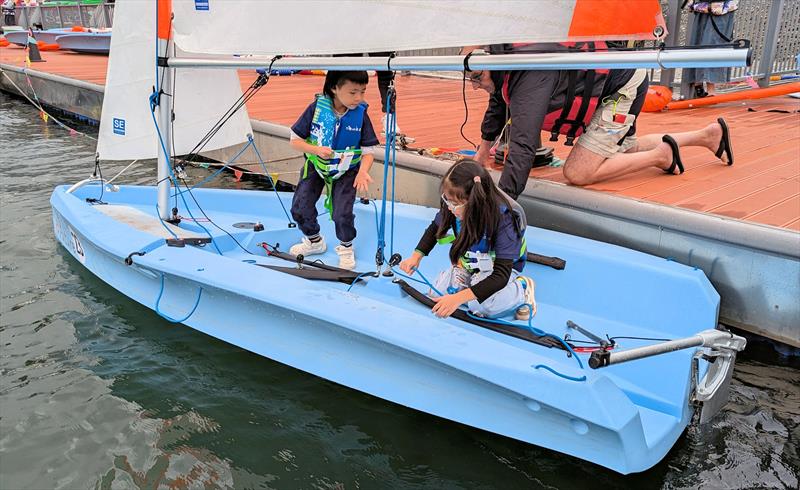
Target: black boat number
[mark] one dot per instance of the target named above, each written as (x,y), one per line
(77,247)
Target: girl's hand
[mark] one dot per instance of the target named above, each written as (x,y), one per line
(447,304)
(362,182)
(408,265)
(324,152)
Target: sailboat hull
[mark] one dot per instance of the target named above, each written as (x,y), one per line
(379,341)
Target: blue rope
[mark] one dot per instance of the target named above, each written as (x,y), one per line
(264,166)
(158,213)
(388,159)
(169,318)
(174,179)
(357,278)
(207,179)
(394,179)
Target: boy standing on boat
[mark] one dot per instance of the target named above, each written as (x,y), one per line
(337,137)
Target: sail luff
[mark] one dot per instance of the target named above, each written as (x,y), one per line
(126,130)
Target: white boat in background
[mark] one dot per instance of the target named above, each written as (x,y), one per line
(92,42)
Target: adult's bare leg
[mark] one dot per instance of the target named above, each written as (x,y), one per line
(584,167)
(707,137)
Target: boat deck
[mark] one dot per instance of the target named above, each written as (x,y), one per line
(763,186)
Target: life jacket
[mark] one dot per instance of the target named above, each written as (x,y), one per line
(479,257)
(575,98)
(342,135)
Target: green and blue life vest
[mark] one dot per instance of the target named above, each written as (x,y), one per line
(479,257)
(342,135)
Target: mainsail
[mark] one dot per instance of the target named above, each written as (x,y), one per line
(126,127)
(315,27)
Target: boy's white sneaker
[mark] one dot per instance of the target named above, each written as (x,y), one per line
(347,257)
(307,247)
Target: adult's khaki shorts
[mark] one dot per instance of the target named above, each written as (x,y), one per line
(604,132)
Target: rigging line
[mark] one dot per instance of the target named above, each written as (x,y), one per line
(466,107)
(269,176)
(173,178)
(534,330)
(238,104)
(389,143)
(394,177)
(200,208)
(122,171)
(257,84)
(40,107)
(217,172)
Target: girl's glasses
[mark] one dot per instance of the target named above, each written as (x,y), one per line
(453,207)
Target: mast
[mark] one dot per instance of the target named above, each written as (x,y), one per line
(164,15)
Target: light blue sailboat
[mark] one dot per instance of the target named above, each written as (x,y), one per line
(561,382)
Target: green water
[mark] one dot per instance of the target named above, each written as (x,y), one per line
(99,392)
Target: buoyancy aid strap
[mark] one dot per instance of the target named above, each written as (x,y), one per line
(578,122)
(446,239)
(568,100)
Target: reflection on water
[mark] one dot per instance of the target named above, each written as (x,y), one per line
(100,392)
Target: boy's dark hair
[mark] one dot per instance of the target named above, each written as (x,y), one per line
(468,180)
(335,79)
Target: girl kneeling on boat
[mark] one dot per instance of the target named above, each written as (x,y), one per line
(337,137)
(486,230)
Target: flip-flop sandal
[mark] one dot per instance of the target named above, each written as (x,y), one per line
(676,155)
(725,143)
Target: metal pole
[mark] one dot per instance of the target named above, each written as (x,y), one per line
(686,89)
(24,14)
(770,42)
(106,16)
(165,128)
(646,351)
(80,15)
(677,58)
(673,27)
(715,339)
(60,18)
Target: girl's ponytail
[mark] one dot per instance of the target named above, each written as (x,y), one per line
(468,180)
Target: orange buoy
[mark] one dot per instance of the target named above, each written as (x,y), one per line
(756,93)
(78,29)
(4,42)
(43,46)
(657,98)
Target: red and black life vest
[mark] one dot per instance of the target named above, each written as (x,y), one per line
(570,108)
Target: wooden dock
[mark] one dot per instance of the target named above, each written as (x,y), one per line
(763,186)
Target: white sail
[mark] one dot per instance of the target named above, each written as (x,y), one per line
(308,27)
(127,130)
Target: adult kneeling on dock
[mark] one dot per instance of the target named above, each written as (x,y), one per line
(599,108)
